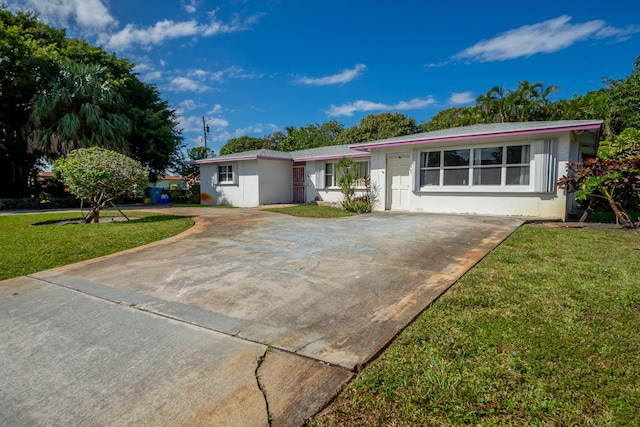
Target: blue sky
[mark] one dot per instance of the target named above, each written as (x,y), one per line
(254,67)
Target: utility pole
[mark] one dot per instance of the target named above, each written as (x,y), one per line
(205,129)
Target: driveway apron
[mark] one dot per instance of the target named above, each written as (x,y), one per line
(247,314)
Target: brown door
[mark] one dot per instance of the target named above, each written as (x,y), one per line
(298,184)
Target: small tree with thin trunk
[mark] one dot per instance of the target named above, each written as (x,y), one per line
(347,179)
(617,181)
(99,176)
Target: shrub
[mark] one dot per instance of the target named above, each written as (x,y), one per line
(100,176)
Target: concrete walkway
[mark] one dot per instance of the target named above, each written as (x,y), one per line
(248,316)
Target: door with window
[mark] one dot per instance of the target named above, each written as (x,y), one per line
(298,184)
(398,182)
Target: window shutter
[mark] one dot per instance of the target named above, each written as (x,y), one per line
(546,166)
(320,175)
(214,176)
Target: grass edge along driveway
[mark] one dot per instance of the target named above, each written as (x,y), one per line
(26,248)
(543,331)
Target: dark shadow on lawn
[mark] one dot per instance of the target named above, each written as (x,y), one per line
(120,220)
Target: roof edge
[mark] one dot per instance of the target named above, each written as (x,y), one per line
(237,159)
(333,157)
(572,127)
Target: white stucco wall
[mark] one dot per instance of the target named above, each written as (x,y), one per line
(276,182)
(313,172)
(520,201)
(243,193)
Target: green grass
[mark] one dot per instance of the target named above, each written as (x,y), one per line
(26,248)
(543,331)
(312,211)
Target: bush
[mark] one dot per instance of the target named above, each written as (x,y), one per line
(32,203)
(358,205)
(347,181)
(100,176)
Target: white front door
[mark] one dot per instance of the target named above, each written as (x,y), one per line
(399,183)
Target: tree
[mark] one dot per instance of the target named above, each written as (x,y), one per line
(99,176)
(626,143)
(487,105)
(526,102)
(243,143)
(33,60)
(623,100)
(378,126)
(531,101)
(27,55)
(190,173)
(445,119)
(155,139)
(81,109)
(347,179)
(617,181)
(311,136)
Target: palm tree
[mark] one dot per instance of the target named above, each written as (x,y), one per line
(531,100)
(488,104)
(81,109)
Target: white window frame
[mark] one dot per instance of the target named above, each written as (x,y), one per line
(469,185)
(232,169)
(331,179)
(360,173)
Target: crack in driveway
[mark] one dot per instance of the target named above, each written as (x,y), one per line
(261,386)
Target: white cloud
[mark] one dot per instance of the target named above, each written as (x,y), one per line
(233,72)
(90,15)
(193,124)
(215,110)
(190,6)
(544,37)
(190,124)
(166,30)
(344,76)
(436,64)
(188,104)
(460,98)
(152,75)
(217,122)
(258,130)
(182,84)
(199,74)
(196,79)
(351,107)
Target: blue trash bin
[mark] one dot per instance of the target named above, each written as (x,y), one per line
(154,194)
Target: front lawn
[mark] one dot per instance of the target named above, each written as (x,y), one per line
(312,211)
(543,331)
(26,248)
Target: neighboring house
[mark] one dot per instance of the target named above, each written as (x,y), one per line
(491,169)
(166,181)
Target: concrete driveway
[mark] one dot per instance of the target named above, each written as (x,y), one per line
(247,314)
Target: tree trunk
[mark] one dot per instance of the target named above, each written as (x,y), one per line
(93,215)
(622,216)
(587,211)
